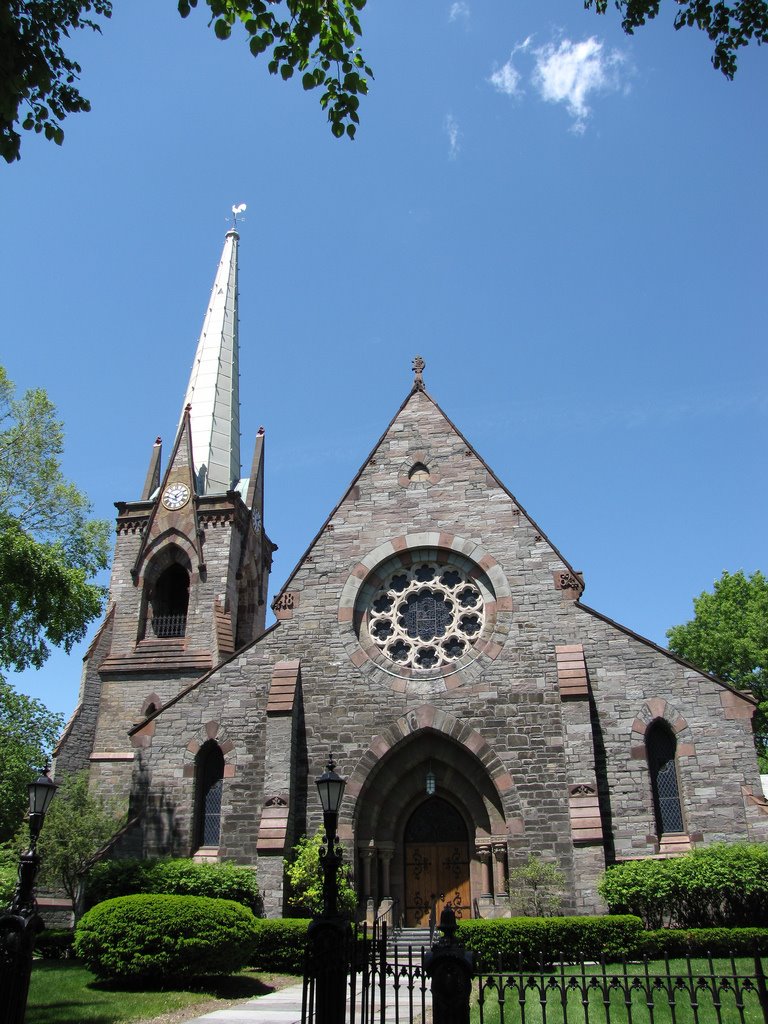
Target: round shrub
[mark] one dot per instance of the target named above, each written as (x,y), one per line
(157,936)
(280,945)
(174,876)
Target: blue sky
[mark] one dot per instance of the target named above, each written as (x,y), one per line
(569,224)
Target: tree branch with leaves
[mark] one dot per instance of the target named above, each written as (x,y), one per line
(316,38)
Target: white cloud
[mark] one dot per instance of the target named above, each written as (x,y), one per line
(570,72)
(507,78)
(454,136)
(459,10)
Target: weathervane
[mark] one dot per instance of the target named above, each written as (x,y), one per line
(240,208)
(418,370)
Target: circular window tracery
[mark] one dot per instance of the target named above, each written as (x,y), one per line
(426,616)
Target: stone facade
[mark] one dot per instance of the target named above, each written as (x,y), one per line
(535,732)
(432,640)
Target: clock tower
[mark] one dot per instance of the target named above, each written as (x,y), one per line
(192,560)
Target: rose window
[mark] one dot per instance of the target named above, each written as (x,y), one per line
(426,616)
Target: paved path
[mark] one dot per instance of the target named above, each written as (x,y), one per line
(281,1007)
(284,1007)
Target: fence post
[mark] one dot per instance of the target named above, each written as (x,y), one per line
(450,966)
(762,992)
(329,950)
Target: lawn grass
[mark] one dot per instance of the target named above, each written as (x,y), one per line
(66,992)
(534,1012)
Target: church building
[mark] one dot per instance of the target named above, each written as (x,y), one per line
(432,640)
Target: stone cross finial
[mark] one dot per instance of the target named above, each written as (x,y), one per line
(418,370)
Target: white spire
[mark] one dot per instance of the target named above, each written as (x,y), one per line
(214,384)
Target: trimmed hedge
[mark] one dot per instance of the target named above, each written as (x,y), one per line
(178,877)
(160,936)
(675,942)
(543,939)
(280,944)
(722,885)
(54,943)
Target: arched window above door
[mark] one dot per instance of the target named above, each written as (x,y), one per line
(661,749)
(209,780)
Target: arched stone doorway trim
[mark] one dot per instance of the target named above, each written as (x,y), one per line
(429,717)
(388,786)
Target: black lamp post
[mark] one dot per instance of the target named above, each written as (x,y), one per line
(21,923)
(330,786)
(328,932)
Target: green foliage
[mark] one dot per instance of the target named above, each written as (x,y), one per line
(728,636)
(719,885)
(280,945)
(54,943)
(179,877)
(536,940)
(675,942)
(48,546)
(28,730)
(9,873)
(38,79)
(537,888)
(158,936)
(305,880)
(316,38)
(729,26)
(78,825)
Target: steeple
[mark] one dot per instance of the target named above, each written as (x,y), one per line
(214,386)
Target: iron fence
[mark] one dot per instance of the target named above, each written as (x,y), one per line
(387,983)
(687,991)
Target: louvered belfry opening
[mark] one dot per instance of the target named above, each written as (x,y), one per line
(170,602)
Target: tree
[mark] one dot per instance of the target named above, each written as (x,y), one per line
(729,25)
(317,38)
(537,887)
(305,879)
(728,636)
(49,548)
(28,730)
(77,826)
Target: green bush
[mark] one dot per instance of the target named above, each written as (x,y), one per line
(723,885)
(675,942)
(160,936)
(280,945)
(54,943)
(305,880)
(536,940)
(176,877)
(9,873)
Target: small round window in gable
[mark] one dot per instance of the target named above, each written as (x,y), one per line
(418,472)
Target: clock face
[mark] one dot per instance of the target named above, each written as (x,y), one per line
(175,496)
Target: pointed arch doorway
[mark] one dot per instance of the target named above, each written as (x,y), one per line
(436,843)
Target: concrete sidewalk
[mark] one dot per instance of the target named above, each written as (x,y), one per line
(284,1007)
(281,1007)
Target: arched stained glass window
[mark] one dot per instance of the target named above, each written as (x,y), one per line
(209,777)
(661,747)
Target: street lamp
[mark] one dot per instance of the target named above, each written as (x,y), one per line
(328,933)
(21,923)
(330,788)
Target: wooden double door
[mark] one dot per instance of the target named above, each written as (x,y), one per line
(436,863)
